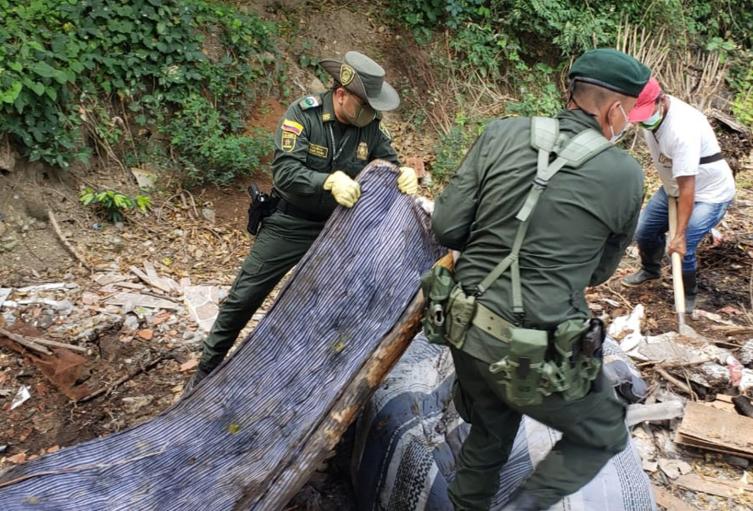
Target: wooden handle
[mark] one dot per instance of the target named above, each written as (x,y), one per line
(676,259)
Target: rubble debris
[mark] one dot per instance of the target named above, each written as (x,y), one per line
(627,329)
(4,294)
(202,303)
(707,427)
(745,355)
(674,468)
(149,275)
(91,328)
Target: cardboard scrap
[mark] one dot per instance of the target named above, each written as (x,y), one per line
(708,427)
(669,502)
(718,487)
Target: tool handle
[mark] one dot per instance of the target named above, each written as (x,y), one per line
(676,259)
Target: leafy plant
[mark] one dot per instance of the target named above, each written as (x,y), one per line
(208,152)
(453,146)
(114,204)
(104,65)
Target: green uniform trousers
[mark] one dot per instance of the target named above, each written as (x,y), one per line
(279,245)
(593,430)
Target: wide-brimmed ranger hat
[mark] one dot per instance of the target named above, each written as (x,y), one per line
(364,78)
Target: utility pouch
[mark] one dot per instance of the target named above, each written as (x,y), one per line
(436,284)
(522,370)
(576,362)
(262,205)
(459,314)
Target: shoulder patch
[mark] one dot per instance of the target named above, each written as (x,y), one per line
(292,126)
(384,130)
(288,141)
(310,102)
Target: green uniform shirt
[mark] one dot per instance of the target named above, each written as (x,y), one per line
(310,144)
(576,237)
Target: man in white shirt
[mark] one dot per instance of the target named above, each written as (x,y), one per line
(693,171)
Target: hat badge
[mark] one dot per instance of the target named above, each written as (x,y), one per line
(346,74)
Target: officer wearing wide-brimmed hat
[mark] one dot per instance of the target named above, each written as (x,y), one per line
(321,144)
(530,346)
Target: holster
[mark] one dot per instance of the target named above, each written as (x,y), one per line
(262,205)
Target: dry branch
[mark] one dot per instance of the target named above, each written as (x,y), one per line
(65,242)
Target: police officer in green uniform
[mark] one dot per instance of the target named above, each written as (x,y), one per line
(321,144)
(576,234)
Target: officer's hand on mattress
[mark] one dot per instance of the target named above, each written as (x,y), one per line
(344,189)
(407,181)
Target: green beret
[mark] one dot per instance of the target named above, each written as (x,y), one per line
(612,70)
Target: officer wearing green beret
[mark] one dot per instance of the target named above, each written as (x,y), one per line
(557,203)
(321,144)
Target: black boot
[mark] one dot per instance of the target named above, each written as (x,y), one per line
(650,266)
(690,286)
(522,501)
(201,373)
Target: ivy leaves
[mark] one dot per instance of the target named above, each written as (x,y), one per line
(144,57)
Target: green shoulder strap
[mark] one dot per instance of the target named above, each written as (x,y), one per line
(546,138)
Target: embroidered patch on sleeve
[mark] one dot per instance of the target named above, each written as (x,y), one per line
(326,116)
(384,130)
(288,141)
(309,102)
(292,126)
(318,150)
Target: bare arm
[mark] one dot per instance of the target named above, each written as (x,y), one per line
(686,185)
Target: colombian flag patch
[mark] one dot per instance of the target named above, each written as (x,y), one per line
(292,127)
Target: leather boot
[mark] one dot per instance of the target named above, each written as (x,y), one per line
(522,501)
(650,266)
(690,287)
(201,373)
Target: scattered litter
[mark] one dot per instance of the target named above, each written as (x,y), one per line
(62,307)
(149,275)
(745,355)
(130,301)
(144,178)
(47,287)
(627,329)
(131,323)
(638,413)
(4,294)
(22,396)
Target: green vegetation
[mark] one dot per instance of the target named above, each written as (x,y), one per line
(114,204)
(105,75)
(524,46)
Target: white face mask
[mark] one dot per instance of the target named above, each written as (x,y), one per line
(652,122)
(617,136)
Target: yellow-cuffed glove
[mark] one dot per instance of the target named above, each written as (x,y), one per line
(407,181)
(344,189)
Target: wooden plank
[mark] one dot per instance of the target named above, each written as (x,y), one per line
(717,429)
(669,502)
(718,487)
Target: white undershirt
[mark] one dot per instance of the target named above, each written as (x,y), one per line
(677,146)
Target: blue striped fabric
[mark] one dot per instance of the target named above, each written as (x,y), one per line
(228,440)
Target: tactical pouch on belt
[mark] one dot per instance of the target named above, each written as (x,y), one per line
(521,371)
(436,284)
(574,365)
(449,310)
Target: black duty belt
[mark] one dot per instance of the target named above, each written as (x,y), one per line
(289,209)
(711,158)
